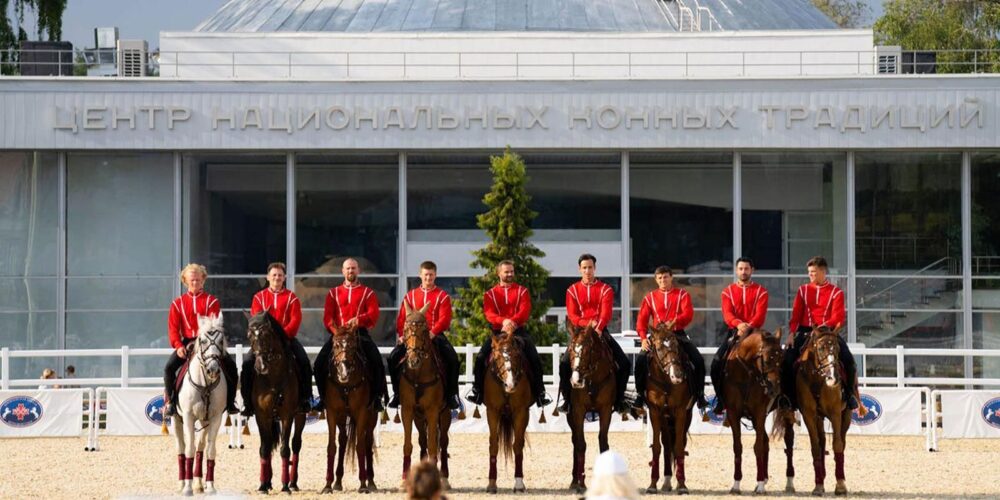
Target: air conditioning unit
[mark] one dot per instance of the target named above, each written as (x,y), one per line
(132,56)
(887,59)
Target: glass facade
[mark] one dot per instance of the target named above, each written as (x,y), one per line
(890,223)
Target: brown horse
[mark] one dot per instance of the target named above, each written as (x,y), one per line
(818,378)
(349,412)
(421,392)
(752,385)
(275,400)
(507,396)
(592,388)
(669,399)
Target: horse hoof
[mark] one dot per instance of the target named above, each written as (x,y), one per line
(372,487)
(519,485)
(789,485)
(445,485)
(652,490)
(286,489)
(491,489)
(363,489)
(293,487)
(818,490)
(734,491)
(841,489)
(338,487)
(326,491)
(682,490)
(666,486)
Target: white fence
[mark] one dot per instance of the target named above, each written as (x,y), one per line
(937,408)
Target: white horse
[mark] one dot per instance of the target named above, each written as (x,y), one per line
(201,404)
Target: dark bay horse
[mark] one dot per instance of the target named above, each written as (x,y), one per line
(752,385)
(275,400)
(670,400)
(348,412)
(592,388)
(507,396)
(422,394)
(818,379)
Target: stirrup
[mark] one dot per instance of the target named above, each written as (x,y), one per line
(453,402)
(474,397)
(394,401)
(247,411)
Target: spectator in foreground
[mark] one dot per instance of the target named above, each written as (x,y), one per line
(611,480)
(424,482)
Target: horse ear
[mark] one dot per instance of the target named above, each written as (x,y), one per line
(409,310)
(201,321)
(838,328)
(424,309)
(570,328)
(246,314)
(777,334)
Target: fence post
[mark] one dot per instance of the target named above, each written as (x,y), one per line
(5,369)
(555,368)
(468,363)
(900,367)
(124,382)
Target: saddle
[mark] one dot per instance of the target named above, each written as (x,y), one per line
(182,372)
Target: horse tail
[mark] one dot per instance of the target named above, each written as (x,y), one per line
(276,433)
(783,418)
(506,431)
(352,439)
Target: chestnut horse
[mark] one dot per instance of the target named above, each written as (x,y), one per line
(592,388)
(507,396)
(818,384)
(422,394)
(752,386)
(670,400)
(349,412)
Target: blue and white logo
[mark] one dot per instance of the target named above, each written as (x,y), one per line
(154,411)
(991,412)
(712,417)
(874,408)
(21,411)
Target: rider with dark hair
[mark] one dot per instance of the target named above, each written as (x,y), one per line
(182,329)
(284,306)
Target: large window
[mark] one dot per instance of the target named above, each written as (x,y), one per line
(986,260)
(908,250)
(29,207)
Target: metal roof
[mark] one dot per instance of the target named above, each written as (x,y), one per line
(625,16)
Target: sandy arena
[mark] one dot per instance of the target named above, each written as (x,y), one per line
(881,467)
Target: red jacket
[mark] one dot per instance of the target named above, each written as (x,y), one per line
(182,321)
(438,313)
(344,303)
(818,305)
(744,304)
(511,302)
(590,302)
(283,306)
(674,305)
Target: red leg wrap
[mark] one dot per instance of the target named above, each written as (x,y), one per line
(197,463)
(738,469)
(762,468)
(838,459)
(210,471)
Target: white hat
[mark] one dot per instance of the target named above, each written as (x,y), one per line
(610,463)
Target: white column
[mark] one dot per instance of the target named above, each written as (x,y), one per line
(290,221)
(851,288)
(625,290)
(401,250)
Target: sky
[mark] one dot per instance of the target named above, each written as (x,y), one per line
(144,19)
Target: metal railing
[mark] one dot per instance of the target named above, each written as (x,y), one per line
(424,65)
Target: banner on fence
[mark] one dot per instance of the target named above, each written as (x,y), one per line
(970,414)
(136,411)
(44,412)
(891,411)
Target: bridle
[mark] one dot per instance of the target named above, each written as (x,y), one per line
(666,350)
(826,355)
(507,362)
(583,342)
(212,341)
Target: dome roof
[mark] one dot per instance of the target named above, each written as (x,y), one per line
(623,16)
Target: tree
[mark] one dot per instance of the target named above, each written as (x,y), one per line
(845,13)
(507,222)
(964,32)
(49,15)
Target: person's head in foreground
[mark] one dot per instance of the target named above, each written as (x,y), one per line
(424,482)
(611,480)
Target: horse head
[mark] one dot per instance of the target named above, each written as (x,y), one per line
(345,362)
(416,336)
(666,349)
(767,361)
(266,337)
(210,347)
(825,347)
(506,362)
(583,345)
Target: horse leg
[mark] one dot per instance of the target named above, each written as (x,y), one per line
(667,439)
(407,441)
(179,439)
(370,453)
(300,423)
(605,425)
(341,452)
(815,428)
(431,426)
(331,451)
(789,449)
(680,443)
(361,448)
(654,464)
(445,424)
(421,422)
(266,445)
(520,428)
(839,444)
(286,453)
(189,453)
(210,450)
(761,450)
(732,417)
(493,417)
(579,449)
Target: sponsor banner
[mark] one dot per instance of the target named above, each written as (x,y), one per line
(135,412)
(970,414)
(891,411)
(44,412)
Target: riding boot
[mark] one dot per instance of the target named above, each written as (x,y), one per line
(174,363)
(718,371)
(788,389)
(564,382)
(475,396)
(850,375)
(232,379)
(640,374)
(246,386)
(449,358)
(395,357)
(537,383)
(698,363)
(304,375)
(321,372)
(377,369)
(622,371)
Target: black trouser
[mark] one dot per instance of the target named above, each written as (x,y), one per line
(530,355)
(448,357)
(694,357)
(622,371)
(718,369)
(792,354)
(301,362)
(375,366)
(175,363)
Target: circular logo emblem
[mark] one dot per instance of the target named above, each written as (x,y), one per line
(154,411)
(991,412)
(21,411)
(874,408)
(712,417)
